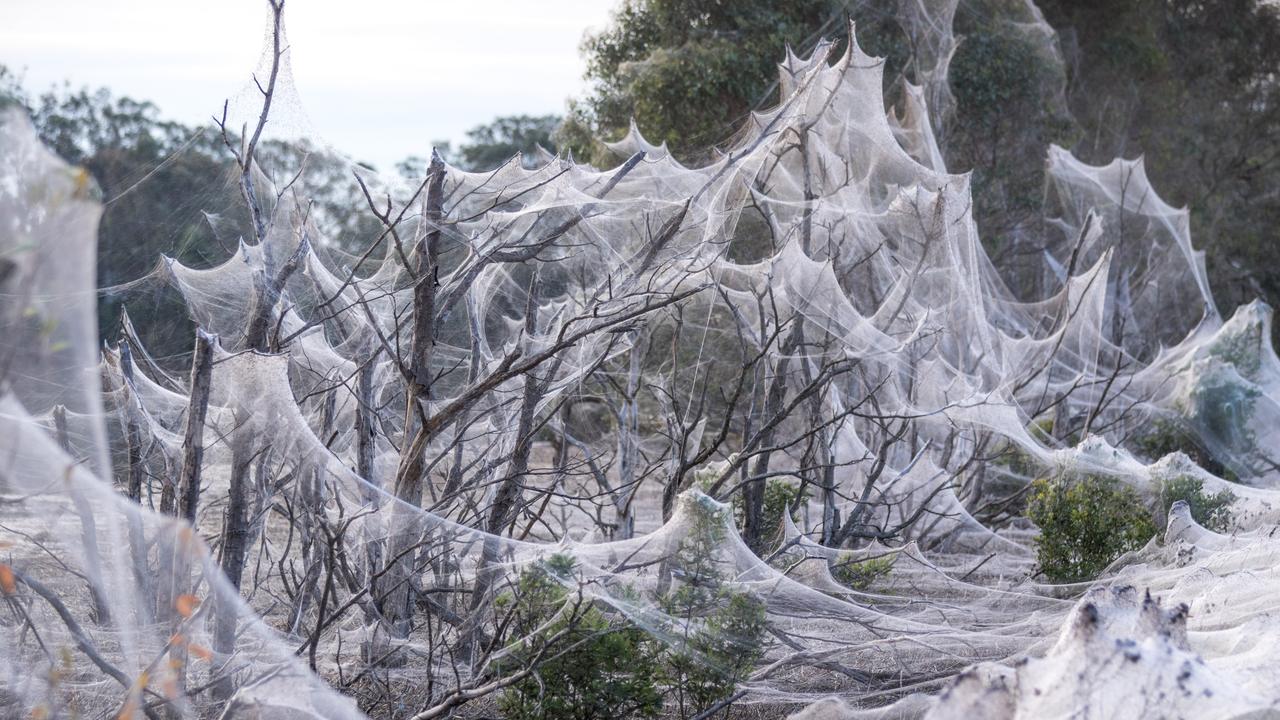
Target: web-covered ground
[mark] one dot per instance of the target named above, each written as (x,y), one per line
(315,517)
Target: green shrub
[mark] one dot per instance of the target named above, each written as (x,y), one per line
(1085,524)
(589,666)
(780,494)
(592,665)
(860,574)
(719,629)
(717,652)
(1213,511)
(1167,436)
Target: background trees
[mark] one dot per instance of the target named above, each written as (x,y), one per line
(689,72)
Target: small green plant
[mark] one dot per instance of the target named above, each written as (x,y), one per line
(1086,523)
(719,630)
(1167,436)
(1213,511)
(591,665)
(718,650)
(860,574)
(588,666)
(780,495)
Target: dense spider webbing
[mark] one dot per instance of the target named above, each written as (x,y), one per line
(565,361)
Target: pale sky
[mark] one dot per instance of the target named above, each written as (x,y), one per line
(379,79)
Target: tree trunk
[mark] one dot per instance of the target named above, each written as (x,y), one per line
(193,439)
(397,598)
(88,527)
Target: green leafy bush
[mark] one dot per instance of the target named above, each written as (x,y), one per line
(860,574)
(720,629)
(589,666)
(780,494)
(1085,524)
(714,658)
(1213,511)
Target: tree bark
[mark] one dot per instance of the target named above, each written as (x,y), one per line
(193,439)
(397,599)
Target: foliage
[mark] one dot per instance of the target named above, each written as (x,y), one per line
(1085,524)
(1167,436)
(1187,84)
(780,494)
(594,665)
(860,574)
(1213,511)
(719,630)
(1006,116)
(120,142)
(490,145)
(717,656)
(591,667)
(690,71)
(1190,86)
(992,71)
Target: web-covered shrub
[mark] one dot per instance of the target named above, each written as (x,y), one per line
(718,630)
(1222,410)
(1212,510)
(780,496)
(861,574)
(1085,524)
(1166,435)
(587,665)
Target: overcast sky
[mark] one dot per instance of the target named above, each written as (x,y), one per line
(379,79)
